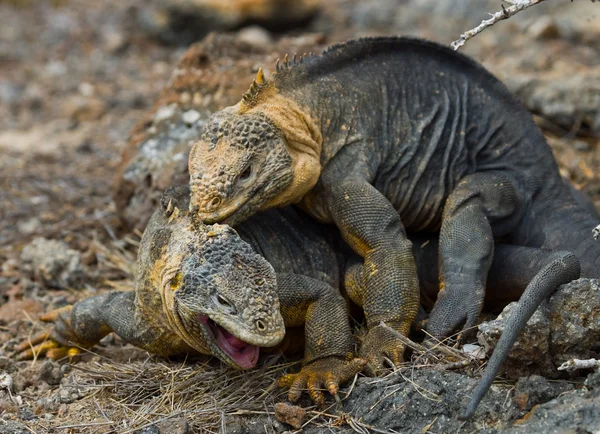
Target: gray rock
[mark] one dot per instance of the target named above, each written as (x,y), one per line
(567,326)
(161,161)
(593,381)
(190,117)
(530,353)
(255,36)
(6,381)
(534,390)
(428,400)
(165,113)
(575,320)
(573,412)
(13,427)
(254,425)
(572,100)
(425,400)
(50,372)
(152,429)
(53,263)
(176,425)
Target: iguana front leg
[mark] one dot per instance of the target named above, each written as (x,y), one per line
(82,325)
(371,226)
(328,358)
(482,205)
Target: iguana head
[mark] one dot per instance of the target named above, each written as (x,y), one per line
(217,293)
(260,153)
(239,163)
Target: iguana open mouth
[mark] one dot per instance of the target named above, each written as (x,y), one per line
(245,355)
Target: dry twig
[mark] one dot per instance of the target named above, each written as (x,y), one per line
(505,13)
(574,364)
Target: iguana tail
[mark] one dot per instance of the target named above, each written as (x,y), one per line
(545,271)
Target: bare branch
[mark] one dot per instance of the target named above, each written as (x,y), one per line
(505,13)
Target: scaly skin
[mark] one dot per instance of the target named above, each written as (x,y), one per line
(202,289)
(311,259)
(386,135)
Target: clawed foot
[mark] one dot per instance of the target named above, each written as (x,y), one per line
(381,347)
(51,343)
(328,373)
(452,309)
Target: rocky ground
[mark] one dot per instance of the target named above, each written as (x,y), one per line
(89,134)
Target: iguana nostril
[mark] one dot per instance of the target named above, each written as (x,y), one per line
(260,326)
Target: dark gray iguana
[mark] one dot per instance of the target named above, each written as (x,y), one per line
(387,135)
(201,289)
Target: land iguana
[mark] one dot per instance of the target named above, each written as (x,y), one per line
(387,135)
(188,297)
(202,289)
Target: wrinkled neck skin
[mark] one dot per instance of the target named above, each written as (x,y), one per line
(304,141)
(156,301)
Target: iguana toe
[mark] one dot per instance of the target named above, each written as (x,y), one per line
(381,347)
(43,345)
(56,343)
(328,373)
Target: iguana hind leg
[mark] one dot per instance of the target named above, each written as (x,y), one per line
(328,357)
(483,205)
(517,272)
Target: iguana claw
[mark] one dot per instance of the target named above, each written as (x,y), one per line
(50,343)
(327,373)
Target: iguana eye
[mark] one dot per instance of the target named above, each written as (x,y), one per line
(260,281)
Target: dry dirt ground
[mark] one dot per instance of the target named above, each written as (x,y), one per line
(76,76)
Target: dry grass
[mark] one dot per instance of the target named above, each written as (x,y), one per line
(140,394)
(126,396)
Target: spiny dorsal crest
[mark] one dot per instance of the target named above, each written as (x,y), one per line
(249,97)
(287,64)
